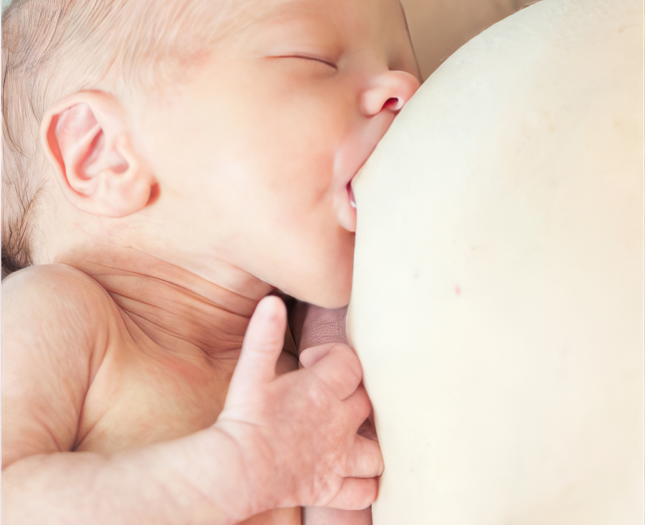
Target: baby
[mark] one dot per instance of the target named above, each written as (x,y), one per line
(166,166)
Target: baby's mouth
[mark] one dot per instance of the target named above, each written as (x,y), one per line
(349,161)
(350,193)
(346,208)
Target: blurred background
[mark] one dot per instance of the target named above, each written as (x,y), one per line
(440,27)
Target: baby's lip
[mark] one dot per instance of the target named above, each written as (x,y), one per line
(345,200)
(356,150)
(349,160)
(352,160)
(350,191)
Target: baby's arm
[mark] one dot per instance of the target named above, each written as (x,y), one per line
(265,451)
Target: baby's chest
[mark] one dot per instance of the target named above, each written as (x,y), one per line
(140,398)
(136,402)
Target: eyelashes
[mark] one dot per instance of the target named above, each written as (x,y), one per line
(321,60)
(313,59)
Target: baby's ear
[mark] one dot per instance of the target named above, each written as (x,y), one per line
(86,138)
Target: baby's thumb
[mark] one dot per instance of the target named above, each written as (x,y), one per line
(261,348)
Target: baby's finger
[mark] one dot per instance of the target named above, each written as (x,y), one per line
(340,370)
(359,406)
(311,356)
(261,347)
(355,494)
(366,460)
(312,325)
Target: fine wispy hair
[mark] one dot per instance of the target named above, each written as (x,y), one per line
(52,48)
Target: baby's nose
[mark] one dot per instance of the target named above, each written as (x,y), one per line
(389,91)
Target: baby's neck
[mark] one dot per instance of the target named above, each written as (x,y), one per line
(177,309)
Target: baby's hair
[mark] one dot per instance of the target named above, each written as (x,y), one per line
(53,48)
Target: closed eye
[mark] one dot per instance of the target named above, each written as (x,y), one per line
(314,59)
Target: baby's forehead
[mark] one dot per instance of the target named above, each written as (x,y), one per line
(250,12)
(354,11)
(348,19)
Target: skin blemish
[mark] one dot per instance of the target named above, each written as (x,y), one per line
(457,290)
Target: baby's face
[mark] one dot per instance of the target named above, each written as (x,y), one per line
(255,152)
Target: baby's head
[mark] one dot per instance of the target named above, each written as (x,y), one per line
(200,131)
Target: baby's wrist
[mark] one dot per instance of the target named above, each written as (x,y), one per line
(254,467)
(201,478)
(227,465)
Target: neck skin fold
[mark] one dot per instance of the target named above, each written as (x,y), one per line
(175,308)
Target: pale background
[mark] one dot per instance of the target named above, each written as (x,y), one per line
(440,27)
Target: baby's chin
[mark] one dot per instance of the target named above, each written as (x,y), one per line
(324,299)
(330,293)
(320,275)
(332,302)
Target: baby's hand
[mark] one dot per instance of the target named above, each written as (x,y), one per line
(297,433)
(312,325)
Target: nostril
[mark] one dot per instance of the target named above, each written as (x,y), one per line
(393,103)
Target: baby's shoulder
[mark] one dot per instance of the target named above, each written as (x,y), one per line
(56,330)
(53,288)
(56,302)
